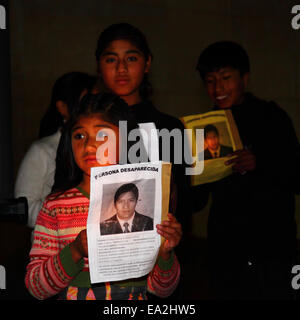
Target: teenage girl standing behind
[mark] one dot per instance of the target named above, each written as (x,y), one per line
(36,173)
(124,60)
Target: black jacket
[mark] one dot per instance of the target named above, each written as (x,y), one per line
(224,151)
(139,223)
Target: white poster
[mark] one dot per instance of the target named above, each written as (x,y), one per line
(125,206)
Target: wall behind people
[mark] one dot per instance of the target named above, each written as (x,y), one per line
(6,187)
(52,37)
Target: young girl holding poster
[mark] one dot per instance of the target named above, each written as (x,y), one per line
(58,257)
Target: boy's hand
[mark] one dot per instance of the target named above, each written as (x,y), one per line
(79,248)
(171,230)
(244,161)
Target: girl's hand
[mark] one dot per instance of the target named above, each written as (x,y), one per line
(171,230)
(79,248)
(244,161)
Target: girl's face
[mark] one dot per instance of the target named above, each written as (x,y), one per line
(122,67)
(95,143)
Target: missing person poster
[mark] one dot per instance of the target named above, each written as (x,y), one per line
(127,201)
(221,138)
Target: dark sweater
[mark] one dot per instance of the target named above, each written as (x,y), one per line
(146,112)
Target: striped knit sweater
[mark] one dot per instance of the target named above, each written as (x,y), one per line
(51,269)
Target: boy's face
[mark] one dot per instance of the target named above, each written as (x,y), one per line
(125,205)
(226,87)
(212,141)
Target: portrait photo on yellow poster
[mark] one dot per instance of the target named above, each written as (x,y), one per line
(221,138)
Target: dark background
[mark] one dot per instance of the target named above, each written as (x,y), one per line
(46,38)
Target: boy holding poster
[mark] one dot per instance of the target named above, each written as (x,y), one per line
(251,226)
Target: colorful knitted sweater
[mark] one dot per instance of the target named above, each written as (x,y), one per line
(52,271)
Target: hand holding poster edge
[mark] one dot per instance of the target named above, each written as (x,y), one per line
(165,215)
(165,197)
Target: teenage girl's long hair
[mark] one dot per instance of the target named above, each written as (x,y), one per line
(68,89)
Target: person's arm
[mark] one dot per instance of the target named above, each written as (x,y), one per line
(31,178)
(50,269)
(164,278)
(278,154)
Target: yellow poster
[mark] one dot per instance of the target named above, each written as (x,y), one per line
(221,138)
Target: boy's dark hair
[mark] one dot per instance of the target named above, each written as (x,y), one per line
(210,128)
(112,109)
(125,31)
(128,187)
(223,54)
(68,89)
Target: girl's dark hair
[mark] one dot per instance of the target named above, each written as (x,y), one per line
(112,109)
(128,187)
(223,54)
(125,31)
(210,128)
(68,89)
